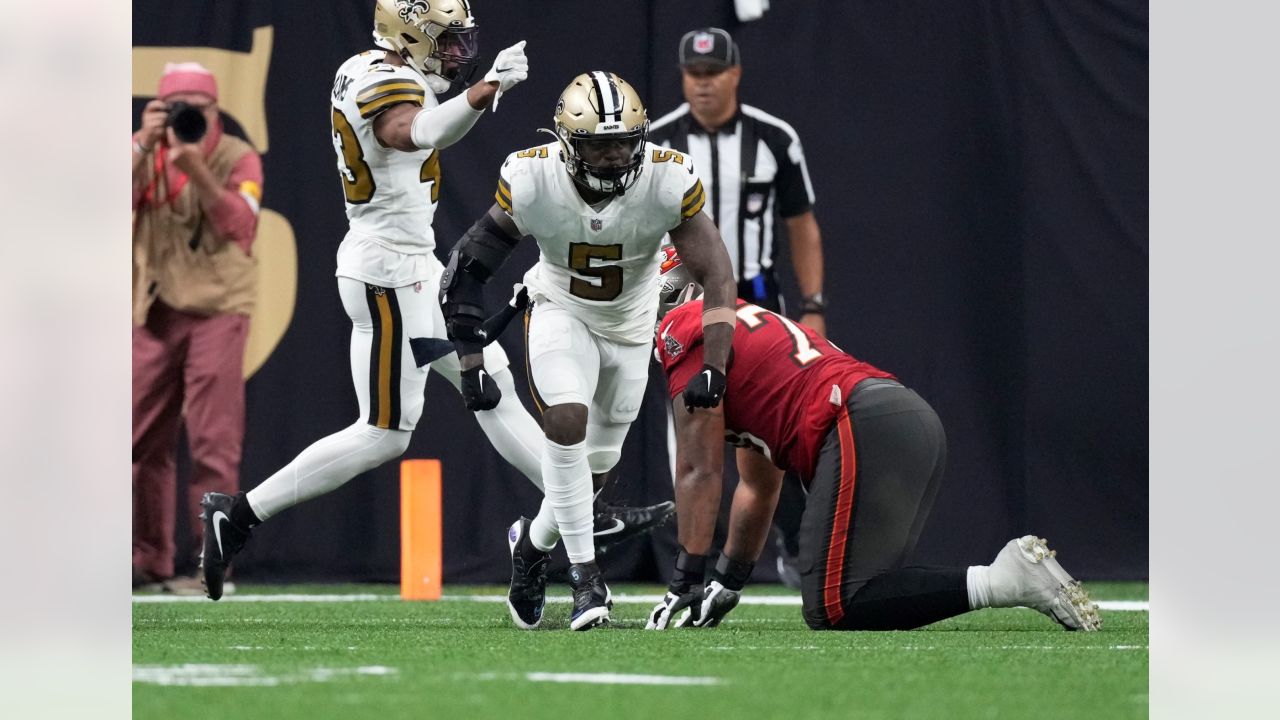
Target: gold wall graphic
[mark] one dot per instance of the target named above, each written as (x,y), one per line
(242,90)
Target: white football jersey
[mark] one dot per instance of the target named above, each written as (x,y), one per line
(602,266)
(390,194)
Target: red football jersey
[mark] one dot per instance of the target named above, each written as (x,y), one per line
(786,383)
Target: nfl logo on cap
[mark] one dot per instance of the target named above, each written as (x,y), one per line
(703,43)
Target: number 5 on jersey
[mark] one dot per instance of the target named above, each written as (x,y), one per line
(610,276)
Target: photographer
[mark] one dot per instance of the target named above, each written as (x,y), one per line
(196,192)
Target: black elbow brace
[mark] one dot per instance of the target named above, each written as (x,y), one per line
(476,257)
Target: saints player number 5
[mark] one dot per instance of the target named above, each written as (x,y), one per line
(610,276)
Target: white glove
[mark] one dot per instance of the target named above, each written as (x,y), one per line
(510,67)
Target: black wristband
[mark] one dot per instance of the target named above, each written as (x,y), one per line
(733,574)
(689,571)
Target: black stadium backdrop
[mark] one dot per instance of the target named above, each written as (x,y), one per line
(981,179)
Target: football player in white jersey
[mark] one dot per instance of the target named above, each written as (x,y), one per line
(599,201)
(388,132)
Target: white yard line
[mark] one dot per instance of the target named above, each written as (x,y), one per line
(598,678)
(236,675)
(748,599)
(619,679)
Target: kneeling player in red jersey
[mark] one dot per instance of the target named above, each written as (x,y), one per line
(801,402)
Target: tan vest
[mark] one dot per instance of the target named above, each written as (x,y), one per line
(214,277)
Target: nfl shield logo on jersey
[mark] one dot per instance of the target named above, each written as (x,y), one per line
(596,224)
(703,42)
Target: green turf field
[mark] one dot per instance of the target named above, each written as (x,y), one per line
(462,658)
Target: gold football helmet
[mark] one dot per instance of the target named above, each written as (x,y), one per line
(432,36)
(598,120)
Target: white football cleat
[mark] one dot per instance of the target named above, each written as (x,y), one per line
(1027,573)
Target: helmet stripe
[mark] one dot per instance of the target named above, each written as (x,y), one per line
(609,101)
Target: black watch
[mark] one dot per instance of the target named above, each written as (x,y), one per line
(813,304)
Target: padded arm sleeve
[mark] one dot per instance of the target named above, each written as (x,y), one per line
(444,124)
(476,257)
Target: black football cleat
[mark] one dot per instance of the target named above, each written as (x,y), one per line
(222,540)
(615,524)
(527,595)
(591,597)
(788,564)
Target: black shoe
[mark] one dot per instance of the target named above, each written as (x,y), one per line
(614,523)
(591,597)
(788,563)
(528,594)
(222,540)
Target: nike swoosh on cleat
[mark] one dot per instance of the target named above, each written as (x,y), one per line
(618,526)
(217,529)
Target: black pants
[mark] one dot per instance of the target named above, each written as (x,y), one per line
(877,475)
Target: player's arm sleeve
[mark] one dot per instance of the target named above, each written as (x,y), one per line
(795,191)
(235,216)
(444,124)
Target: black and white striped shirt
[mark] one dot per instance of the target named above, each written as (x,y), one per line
(753,170)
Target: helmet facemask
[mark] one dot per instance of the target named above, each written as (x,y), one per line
(604,178)
(456,53)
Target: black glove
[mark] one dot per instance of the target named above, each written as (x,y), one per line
(717,601)
(723,590)
(705,390)
(660,617)
(684,592)
(479,391)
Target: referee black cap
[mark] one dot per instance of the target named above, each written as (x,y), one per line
(710,47)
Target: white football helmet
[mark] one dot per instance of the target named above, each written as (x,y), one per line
(434,37)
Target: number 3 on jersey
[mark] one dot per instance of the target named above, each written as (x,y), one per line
(357,179)
(803,353)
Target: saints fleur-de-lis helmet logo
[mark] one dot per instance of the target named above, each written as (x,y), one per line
(436,37)
(411,10)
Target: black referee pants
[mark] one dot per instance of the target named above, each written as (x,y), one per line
(874,485)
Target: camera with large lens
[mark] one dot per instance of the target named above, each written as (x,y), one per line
(188,122)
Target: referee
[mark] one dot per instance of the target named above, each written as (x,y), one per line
(753,169)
